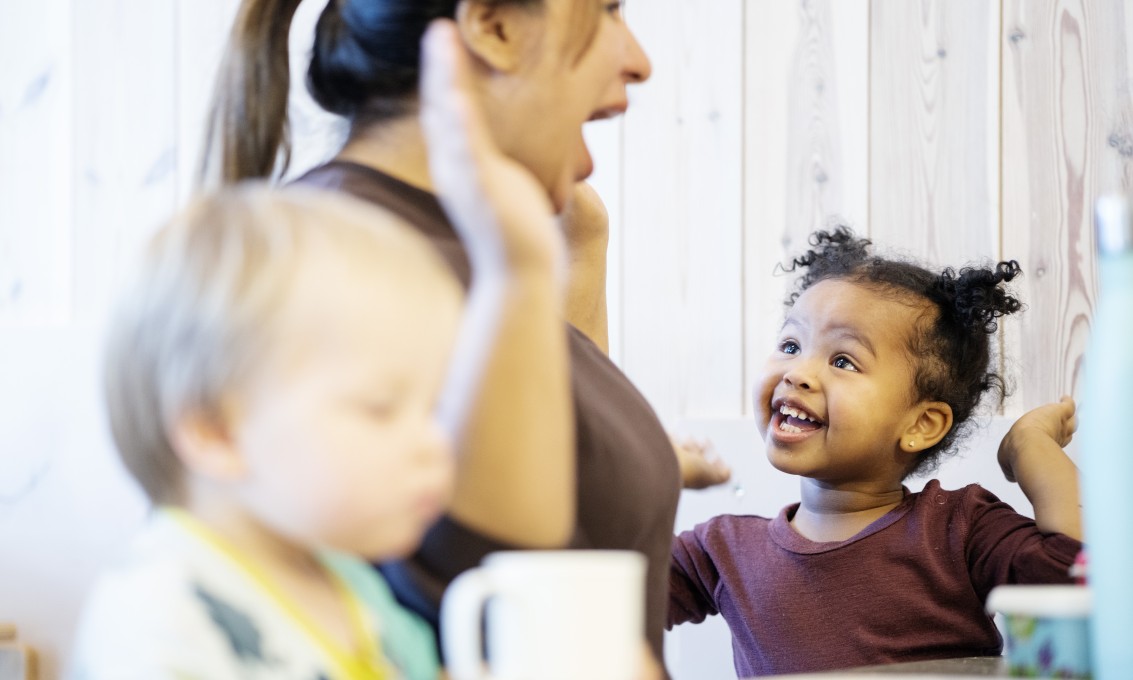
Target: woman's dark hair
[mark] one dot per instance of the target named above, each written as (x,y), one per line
(364,66)
(953,349)
(366,54)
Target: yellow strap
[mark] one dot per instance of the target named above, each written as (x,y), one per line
(367,664)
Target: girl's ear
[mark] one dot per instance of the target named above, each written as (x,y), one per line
(205,447)
(933,421)
(496,34)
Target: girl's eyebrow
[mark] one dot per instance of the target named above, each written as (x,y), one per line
(843,331)
(792,321)
(852,333)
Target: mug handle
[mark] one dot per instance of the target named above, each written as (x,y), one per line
(461,611)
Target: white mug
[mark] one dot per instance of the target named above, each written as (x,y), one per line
(551,615)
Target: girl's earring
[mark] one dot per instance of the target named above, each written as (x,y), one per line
(912,443)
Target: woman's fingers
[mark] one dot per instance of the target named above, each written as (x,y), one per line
(503,215)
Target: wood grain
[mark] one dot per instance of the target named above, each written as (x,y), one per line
(934,128)
(805,145)
(681,289)
(125,132)
(36,207)
(1067,120)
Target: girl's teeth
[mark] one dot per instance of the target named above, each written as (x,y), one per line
(787,427)
(794,412)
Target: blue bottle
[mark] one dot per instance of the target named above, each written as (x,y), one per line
(1107,449)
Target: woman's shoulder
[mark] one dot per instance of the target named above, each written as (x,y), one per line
(375,186)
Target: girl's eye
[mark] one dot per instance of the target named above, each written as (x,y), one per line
(789,347)
(614,8)
(845,363)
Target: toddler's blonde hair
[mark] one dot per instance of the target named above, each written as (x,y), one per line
(200,315)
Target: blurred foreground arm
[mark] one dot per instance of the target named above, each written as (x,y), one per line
(507,400)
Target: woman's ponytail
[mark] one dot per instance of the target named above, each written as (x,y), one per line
(247,130)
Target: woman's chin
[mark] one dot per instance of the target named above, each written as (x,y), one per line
(585,165)
(562,191)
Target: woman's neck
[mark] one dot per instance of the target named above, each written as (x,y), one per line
(396,147)
(829,514)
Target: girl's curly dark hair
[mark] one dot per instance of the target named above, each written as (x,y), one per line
(953,347)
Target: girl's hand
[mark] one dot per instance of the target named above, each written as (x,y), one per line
(1031,454)
(1033,433)
(700,466)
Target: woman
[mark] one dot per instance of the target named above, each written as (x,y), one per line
(542,69)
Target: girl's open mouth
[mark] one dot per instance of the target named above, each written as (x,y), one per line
(789,423)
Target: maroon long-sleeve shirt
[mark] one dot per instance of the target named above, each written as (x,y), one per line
(909,587)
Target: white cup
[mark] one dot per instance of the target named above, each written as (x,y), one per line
(551,615)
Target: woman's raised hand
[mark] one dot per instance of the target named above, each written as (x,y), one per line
(507,393)
(503,214)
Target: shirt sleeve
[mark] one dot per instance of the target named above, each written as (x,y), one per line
(693,578)
(1004,547)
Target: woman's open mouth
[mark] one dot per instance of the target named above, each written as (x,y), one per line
(608,112)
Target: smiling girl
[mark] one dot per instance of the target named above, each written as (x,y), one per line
(878,369)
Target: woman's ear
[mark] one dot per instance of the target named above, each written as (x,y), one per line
(498,35)
(205,447)
(932,422)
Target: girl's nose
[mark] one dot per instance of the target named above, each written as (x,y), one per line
(799,377)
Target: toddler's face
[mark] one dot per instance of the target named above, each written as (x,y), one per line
(837,391)
(338,435)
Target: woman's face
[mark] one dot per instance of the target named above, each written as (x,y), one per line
(561,82)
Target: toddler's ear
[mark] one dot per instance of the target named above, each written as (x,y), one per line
(205,447)
(933,421)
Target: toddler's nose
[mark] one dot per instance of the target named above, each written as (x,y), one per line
(799,377)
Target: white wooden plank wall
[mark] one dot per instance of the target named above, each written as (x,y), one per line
(202,29)
(950,129)
(682,220)
(934,128)
(1066,139)
(35,140)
